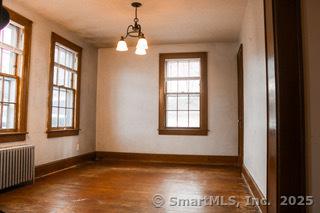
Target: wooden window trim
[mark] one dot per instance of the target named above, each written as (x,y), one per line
(203,130)
(19,133)
(56,132)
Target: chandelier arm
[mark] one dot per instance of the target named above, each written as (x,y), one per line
(131,30)
(128,30)
(139,30)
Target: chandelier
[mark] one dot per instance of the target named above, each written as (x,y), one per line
(4,16)
(134,31)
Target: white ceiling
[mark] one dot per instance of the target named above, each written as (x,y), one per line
(102,22)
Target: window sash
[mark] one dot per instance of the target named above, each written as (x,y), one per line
(198,107)
(17,41)
(15,78)
(176,94)
(64,77)
(64,88)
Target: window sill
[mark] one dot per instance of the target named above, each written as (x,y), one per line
(6,137)
(62,133)
(183,131)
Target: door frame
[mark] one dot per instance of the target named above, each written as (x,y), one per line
(240,105)
(285,99)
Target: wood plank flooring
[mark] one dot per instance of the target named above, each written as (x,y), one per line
(130,187)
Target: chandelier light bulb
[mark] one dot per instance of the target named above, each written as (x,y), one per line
(140,51)
(142,43)
(122,45)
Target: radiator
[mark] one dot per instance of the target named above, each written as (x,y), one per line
(16,165)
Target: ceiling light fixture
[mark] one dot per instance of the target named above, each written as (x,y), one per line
(134,31)
(4,16)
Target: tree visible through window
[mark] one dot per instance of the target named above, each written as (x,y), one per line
(183,93)
(64,88)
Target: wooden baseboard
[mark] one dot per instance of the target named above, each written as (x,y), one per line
(48,168)
(255,191)
(164,158)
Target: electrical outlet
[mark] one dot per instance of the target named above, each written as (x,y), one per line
(78,147)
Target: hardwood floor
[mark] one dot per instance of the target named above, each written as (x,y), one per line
(129,187)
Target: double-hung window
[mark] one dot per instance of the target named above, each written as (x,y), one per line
(14,73)
(64,88)
(183,94)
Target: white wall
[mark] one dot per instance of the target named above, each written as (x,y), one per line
(255,100)
(48,150)
(311,46)
(127,102)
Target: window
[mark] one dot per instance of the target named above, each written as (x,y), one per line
(183,94)
(14,73)
(64,88)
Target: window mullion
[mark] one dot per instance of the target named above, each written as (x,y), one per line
(1,58)
(177,89)
(188,86)
(65,71)
(58,115)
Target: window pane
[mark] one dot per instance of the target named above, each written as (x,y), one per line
(60,76)
(75,79)
(69,61)
(194,68)
(194,86)
(1,82)
(55,75)
(171,102)
(62,98)
(8,62)
(75,66)
(194,118)
(8,112)
(4,116)
(183,86)
(62,117)
(10,35)
(183,102)
(182,118)
(183,69)
(194,102)
(68,78)
(54,118)
(56,54)
(55,96)
(172,86)
(69,98)
(171,119)
(11,116)
(172,69)
(62,57)
(9,90)
(69,117)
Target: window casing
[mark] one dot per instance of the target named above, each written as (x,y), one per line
(183,94)
(64,88)
(15,41)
